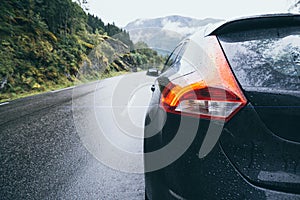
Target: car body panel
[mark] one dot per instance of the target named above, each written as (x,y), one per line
(251,159)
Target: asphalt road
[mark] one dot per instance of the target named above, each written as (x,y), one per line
(79,143)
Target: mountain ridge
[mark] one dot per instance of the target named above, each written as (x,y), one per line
(50,45)
(158,22)
(164,33)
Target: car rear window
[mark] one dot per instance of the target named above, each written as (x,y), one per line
(267,58)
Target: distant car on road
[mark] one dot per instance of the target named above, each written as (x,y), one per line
(224,118)
(153,72)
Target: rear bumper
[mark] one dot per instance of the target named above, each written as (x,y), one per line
(213,177)
(225,173)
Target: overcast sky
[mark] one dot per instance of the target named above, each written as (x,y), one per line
(124,11)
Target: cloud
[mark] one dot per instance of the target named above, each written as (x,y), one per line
(178,27)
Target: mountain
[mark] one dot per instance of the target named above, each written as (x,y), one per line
(46,45)
(174,21)
(164,33)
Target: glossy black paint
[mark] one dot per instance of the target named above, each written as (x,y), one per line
(256,22)
(261,157)
(218,176)
(256,157)
(280,113)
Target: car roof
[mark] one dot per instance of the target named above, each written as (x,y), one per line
(246,23)
(254,22)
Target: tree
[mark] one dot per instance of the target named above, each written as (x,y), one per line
(95,23)
(83,4)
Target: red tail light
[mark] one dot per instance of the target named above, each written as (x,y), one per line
(210,92)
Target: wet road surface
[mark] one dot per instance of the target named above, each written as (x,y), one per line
(43,155)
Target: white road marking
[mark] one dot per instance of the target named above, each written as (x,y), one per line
(62,89)
(5,103)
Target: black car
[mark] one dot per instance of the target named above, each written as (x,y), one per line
(224,119)
(152,72)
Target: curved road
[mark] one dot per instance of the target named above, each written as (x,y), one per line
(65,144)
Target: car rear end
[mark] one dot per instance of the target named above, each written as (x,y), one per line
(225,116)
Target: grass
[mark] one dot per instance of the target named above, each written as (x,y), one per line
(13,96)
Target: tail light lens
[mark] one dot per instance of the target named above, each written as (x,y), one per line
(210,92)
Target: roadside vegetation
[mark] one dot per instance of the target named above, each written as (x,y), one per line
(46,45)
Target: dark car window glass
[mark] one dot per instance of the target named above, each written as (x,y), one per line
(265,58)
(176,56)
(182,50)
(172,58)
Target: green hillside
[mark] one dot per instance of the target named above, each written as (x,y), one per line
(46,45)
